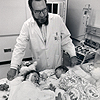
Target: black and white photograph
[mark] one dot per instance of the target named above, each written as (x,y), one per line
(49,50)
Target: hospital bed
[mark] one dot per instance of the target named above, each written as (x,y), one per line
(77,69)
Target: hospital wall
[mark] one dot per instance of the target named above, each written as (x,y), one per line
(13,13)
(76,19)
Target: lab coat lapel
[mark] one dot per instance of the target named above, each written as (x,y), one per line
(49,28)
(37,30)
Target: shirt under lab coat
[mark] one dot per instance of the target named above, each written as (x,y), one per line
(47,55)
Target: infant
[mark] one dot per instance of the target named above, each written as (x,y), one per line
(51,77)
(70,85)
(57,72)
(32,76)
(28,88)
(50,80)
(60,70)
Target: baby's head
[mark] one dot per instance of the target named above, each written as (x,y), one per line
(60,70)
(32,76)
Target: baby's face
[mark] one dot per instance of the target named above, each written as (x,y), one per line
(35,78)
(58,73)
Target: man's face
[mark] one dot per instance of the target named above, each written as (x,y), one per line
(39,11)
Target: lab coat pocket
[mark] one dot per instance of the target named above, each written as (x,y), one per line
(56,36)
(57,42)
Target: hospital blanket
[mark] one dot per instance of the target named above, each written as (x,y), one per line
(77,88)
(28,91)
(74,86)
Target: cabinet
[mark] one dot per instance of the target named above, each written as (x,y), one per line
(13,13)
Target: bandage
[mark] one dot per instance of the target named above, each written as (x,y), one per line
(23,70)
(30,76)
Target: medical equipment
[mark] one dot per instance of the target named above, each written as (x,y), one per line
(86,50)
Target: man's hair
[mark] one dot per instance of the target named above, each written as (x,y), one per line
(30,3)
(29,72)
(65,69)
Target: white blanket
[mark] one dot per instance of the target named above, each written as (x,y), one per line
(28,91)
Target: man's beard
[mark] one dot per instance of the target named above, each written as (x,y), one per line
(43,21)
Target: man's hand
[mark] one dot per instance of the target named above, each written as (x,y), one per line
(11,73)
(73,61)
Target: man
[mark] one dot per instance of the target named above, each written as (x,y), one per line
(47,35)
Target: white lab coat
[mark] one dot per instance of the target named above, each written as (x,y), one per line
(49,55)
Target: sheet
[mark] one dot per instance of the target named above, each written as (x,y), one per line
(28,91)
(73,91)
